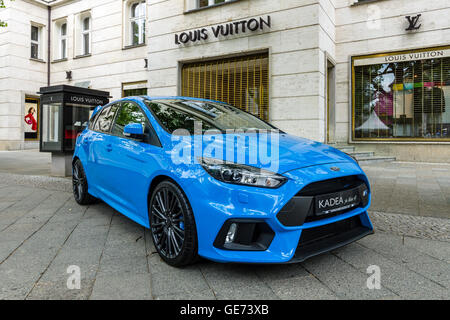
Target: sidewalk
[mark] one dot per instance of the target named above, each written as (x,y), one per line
(43,232)
(415,189)
(29,162)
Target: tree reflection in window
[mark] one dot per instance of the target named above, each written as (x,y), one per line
(403,100)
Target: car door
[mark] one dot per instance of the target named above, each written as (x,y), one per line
(133,161)
(100,143)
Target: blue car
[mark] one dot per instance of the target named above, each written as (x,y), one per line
(210,180)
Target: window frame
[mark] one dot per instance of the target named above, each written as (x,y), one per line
(141,22)
(86,32)
(63,39)
(57,40)
(143,83)
(210,3)
(37,42)
(194,5)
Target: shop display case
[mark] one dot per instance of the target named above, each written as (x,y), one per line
(65,113)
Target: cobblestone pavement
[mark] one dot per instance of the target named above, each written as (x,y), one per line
(43,232)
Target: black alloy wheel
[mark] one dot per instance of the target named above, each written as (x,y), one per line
(80,186)
(172,225)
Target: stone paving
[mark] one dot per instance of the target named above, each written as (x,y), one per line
(417,189)
(43,232)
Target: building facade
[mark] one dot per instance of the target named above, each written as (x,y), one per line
(371,73)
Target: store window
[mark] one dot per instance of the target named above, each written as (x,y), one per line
(134,89)
(31,119)
(36,36)
(51,126)
(405,98)
(242,82)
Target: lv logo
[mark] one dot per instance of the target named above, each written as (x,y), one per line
(413,22)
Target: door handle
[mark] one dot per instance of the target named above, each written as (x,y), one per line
(109,147)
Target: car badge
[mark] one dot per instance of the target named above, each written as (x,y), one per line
(335,169)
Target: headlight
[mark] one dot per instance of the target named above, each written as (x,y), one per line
(241,174)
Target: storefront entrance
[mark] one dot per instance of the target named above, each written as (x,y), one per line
(242,82)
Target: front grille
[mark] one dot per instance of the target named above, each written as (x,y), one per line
(330,186)
(318,234)
(301,208)
(311,217)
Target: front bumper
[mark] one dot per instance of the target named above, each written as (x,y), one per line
(215,204)
(322,239)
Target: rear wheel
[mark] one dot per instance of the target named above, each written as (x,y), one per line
(172,225)
(80,185)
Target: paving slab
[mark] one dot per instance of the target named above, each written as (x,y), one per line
(402,282)
(343,279)
(43,232)
(121,286)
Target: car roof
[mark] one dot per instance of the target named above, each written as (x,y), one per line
(141,98)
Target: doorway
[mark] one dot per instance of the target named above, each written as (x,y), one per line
(331,102)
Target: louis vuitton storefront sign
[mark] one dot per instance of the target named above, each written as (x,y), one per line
(224,30)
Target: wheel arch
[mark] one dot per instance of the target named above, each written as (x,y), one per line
(155,182)
(75,158)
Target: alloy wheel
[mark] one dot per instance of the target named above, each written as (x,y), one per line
(77,181)
(167,223)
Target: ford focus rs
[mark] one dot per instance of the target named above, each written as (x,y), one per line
(210,180)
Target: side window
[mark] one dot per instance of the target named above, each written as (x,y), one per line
(129,113)
(105,119)
(92,121)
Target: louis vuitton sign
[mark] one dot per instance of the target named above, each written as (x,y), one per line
(404,57)
(224,30)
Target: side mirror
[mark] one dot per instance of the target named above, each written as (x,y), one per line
(134,130)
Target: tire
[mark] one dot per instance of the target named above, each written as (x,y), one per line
(80,185)
(172,225)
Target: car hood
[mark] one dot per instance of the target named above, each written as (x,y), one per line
(277,152)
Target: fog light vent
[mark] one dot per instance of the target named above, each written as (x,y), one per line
(231,233)
(244,235)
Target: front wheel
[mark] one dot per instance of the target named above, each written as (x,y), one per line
(80,186)
(172,225)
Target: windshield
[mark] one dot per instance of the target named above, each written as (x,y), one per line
(183,114)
